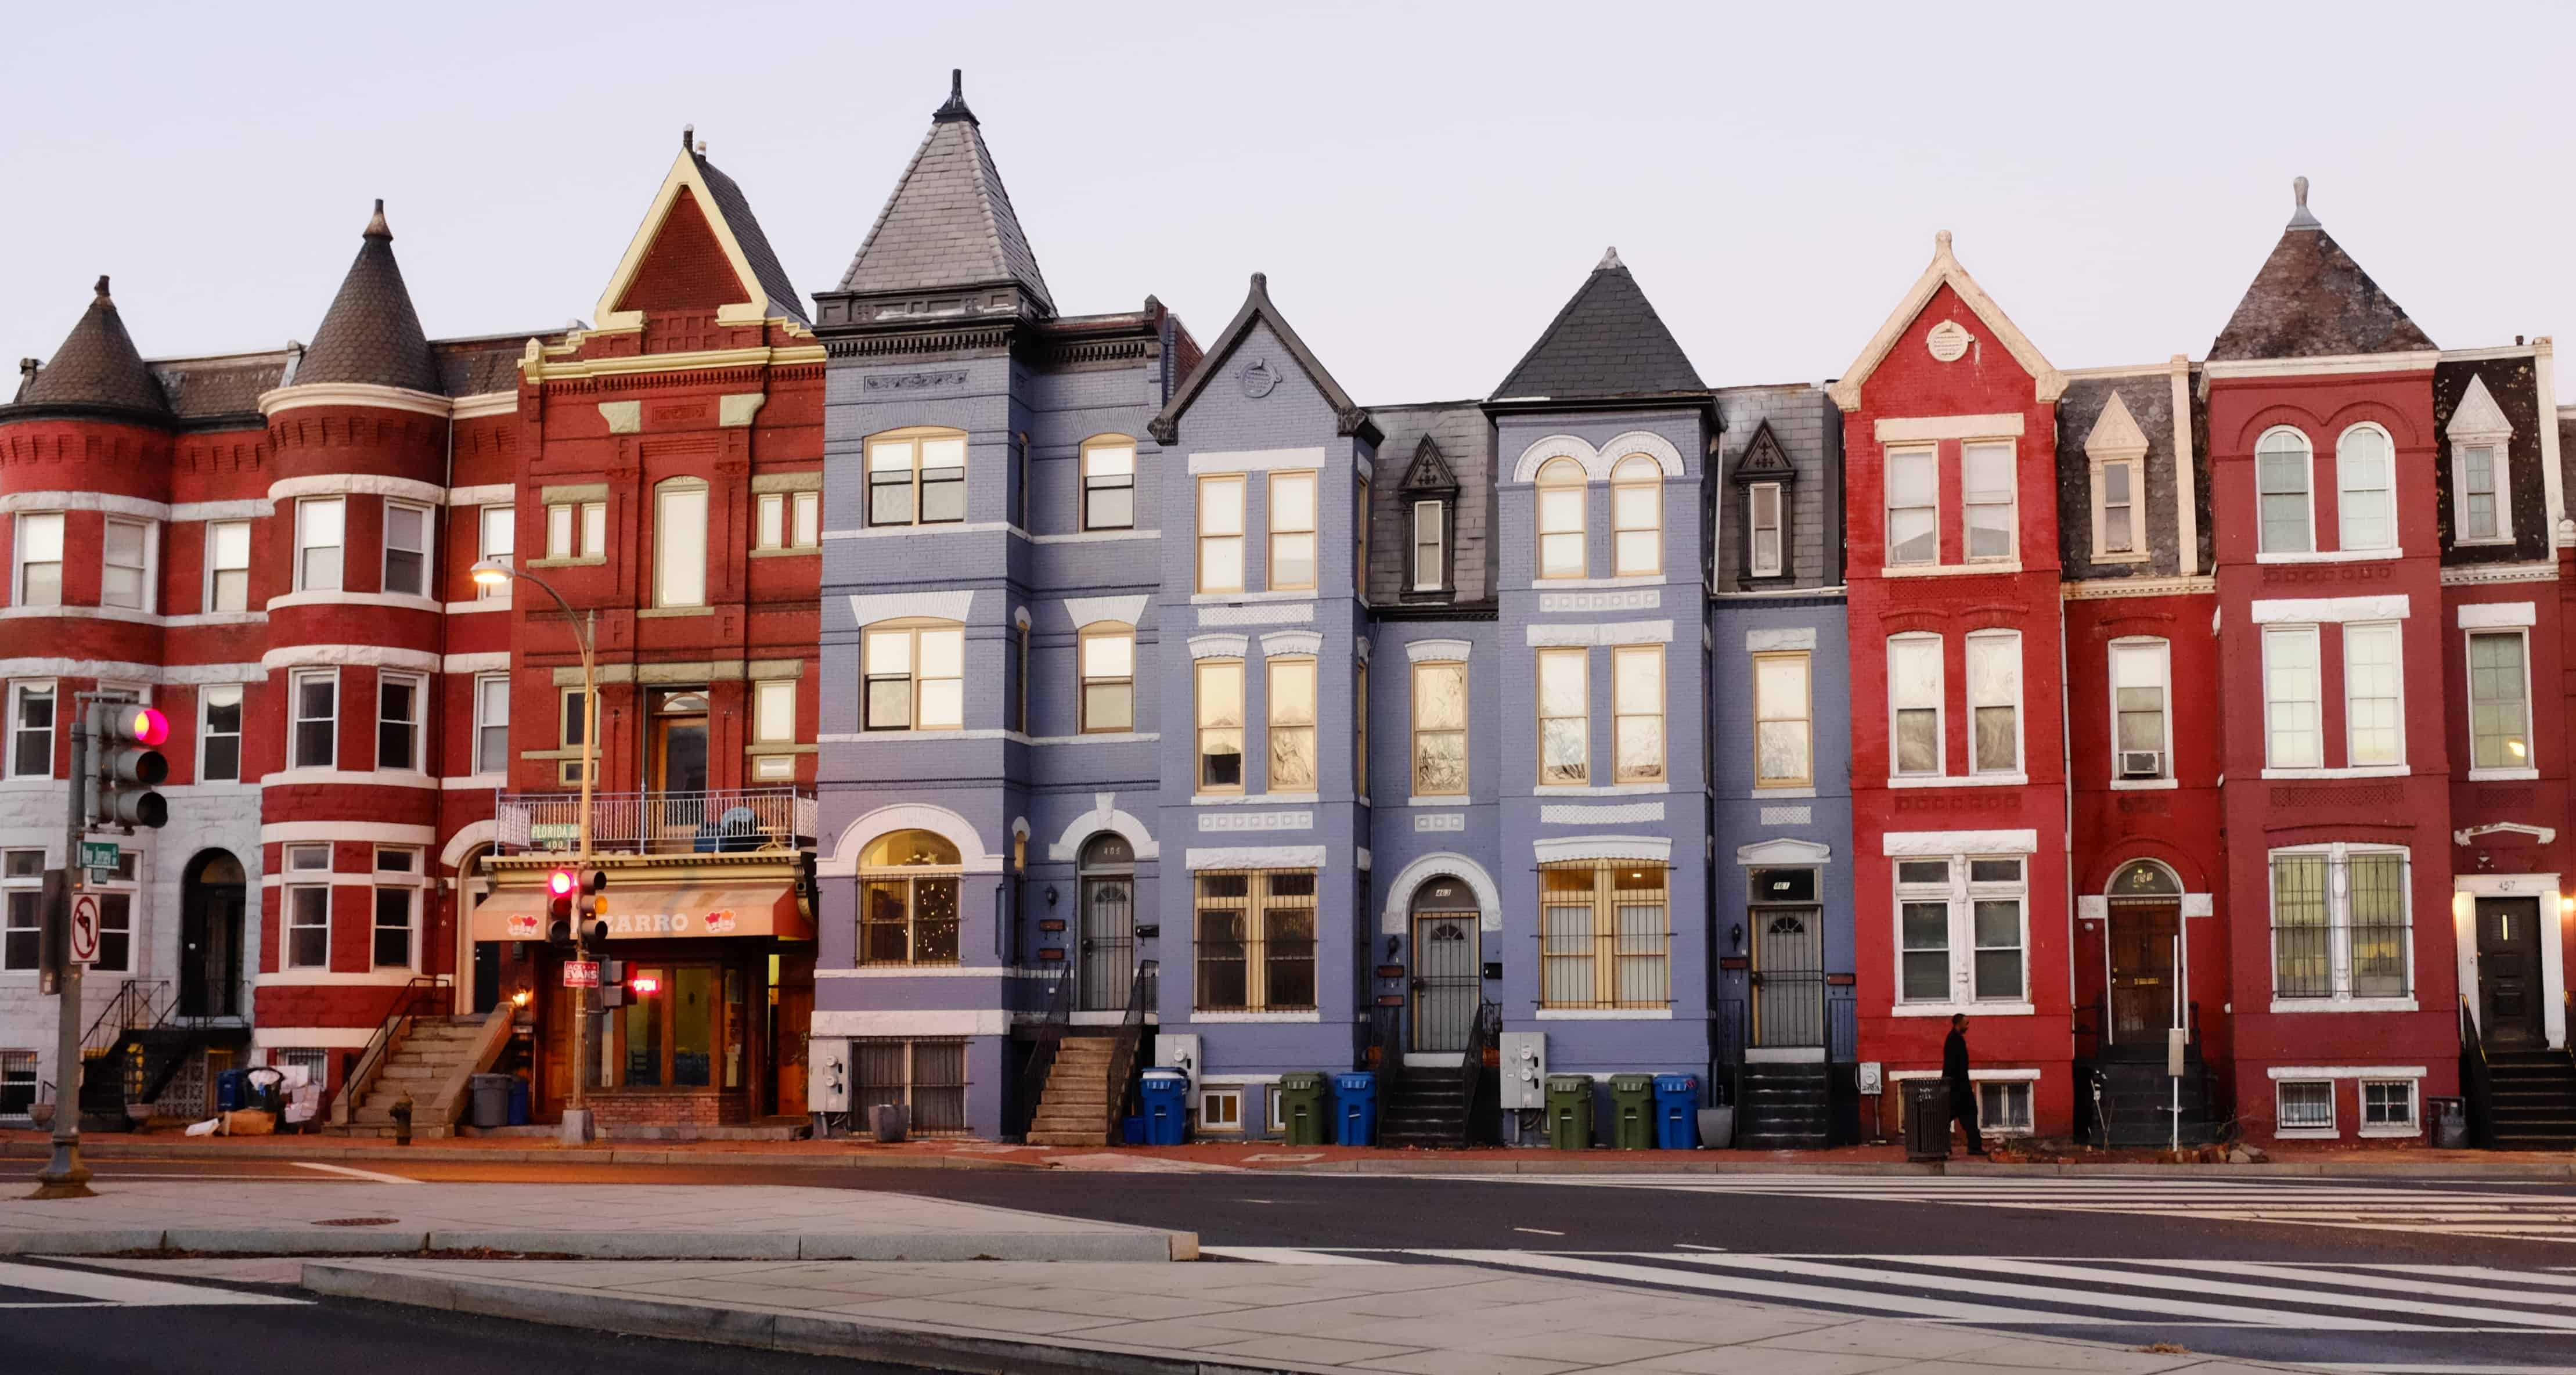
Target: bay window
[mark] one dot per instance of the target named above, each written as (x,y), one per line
(40,559)
(307,902)
(406,549)
(1255,947)
(917,477)
(219,735)
(2341,926)
(320,531)
(228,565)
(397,721)
(1605,935)
(31,730)
(125,565)
(915,676)
(314,697)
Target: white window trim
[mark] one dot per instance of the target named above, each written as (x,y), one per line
(149,601)
(339,710)
(2391,550)
(2339,929)
(1435,578)
(385,552)
(2460,446)
(2468,697)
(1779,528)
(1940,715)
(481,765)
(18,554)
(1961,895)
(419,720)
(2413,1126)
(322,879)
(2331,1131)
(206,593)
(2137,466)
(9,729)
(2164,651)
(2020,718)
(1888,508)
(415,881)
(2012,508)
(2316,698)
(205,733)
(2262,555)
(2398,630)
(296,537)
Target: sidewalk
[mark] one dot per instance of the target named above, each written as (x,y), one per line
(1218,1319)
(2342,1162)
(609,1221)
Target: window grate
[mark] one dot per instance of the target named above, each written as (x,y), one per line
(1605,935)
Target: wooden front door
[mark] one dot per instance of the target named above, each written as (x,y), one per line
(791,1012)
(2142,969)
(2509,1008)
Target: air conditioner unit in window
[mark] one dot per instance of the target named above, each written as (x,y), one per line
(2142,764)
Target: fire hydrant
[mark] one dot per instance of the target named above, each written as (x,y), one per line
(402,1119)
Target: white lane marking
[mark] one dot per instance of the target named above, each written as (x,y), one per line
(2200,1284)
(373,1175)
(67,1303)
(1538,1231)
(1688,1246)
(1287,1255)
(2477,1272)
(1812,1295)
(2327,1273)
(2036,1293)
(128,1290)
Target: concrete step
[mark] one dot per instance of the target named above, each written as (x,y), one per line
(1068,1138)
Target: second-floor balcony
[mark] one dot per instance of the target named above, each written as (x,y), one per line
(727,821)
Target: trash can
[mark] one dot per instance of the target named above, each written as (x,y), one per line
(1927,1119)
(1355,1109)
(2450,1117)
(1676,1112)
(1131,1131)
(228,1089)
(1165,1097)
(1632,1112)
(261,1088)
(892,1121)
(1302,1109)
(492,1100)
(518,1101)
(1569,1111)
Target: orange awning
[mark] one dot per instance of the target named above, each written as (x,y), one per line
(657,913)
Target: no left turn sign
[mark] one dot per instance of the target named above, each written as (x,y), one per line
(85,929)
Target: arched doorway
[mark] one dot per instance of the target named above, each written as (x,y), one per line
(1108,915)
(1448,978)
(2145,952)
(473,884)
(212,895)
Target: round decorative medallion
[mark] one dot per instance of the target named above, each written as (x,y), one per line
(1948,342)
(1259,378)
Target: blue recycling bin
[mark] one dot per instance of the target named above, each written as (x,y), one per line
(1355,1109)
(1166,1097)
(228,1090)
(1676,1112)
(518,1114)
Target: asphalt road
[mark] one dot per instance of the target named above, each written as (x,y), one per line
(2386,1275)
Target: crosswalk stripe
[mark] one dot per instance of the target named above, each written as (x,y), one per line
(2473,1272)
(2005,1289)
(1812,1295)
(2202,1284)
(128,1290)
(2376,1283)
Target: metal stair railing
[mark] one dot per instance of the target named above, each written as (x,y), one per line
(1122,1050)
(1042,1054)
(1481,1037)
(407,1004)
(2477,1083)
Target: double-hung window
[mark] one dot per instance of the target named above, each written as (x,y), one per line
(320,525)
(2374,701)
(406,549)
(496,535)
(2283,468)
(17,1085)
(2484,517)
(908,889)
(125,565)
(313,696)
(1994,702)
(2141,746)
(492,723)
(1108,653)
(1765,527)
(1914,688)
(1561,496)
(308,906)
(788,520)
(1430,545)
(398,890)
(22,908)
(1109,484)
(40,559)
(916,677)
(1218,689)
(227,565)
(1255,948)
(1636,517)
(2499,700)
(1440,728)
(2365,489)
(1913,506)
(31,730)
(219,733)
(1986,488)
(2115,496)
(773,725)
(572,726)
(1605,935)
(2294,730)
(1220,536)
(1637,711)
(1962,929)
(2340,923)
(1784,728)
(577,530)
(398,721)
(1292,531)
(680,542)
(1564,718)
(917,478)
(1291,700)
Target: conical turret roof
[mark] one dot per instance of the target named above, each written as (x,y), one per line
(949,222)
(371,335)
(97,366)
(1607,341)
(2311,300)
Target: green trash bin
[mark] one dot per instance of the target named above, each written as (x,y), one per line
(1304,1117)
(1569,1111)
(1632,1112)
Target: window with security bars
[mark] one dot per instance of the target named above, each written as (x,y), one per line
(1605,935)
(1256,941)
(2340,925)
(2306,1105)
(17,1085)
(927,1076)
(2004,1107)
(2388,1104)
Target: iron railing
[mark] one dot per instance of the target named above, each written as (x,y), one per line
(1842,1024)
(656,823)
(423,995)
(1131,1033)
(1384,1052)
(1482,1037)
(137,1004)
(1042,1050)
(2476,1084)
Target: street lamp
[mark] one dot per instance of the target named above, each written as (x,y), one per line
(495,573)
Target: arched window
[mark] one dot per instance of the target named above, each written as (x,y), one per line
(1560,519)
(1109,483)
(1108,653)
(908,899)
(680,542)
(917,477)
(1637,516)
(2144,878)
(915,675)
(2366,489)
(2282,472)
(1108,914)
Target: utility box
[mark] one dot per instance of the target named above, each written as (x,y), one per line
(1180,1051)
(1524,1065)
(1569,1111)
(1632,1112)
(1304,1117)
(827,1074)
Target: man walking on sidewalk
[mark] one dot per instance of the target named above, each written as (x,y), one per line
(1963,1093)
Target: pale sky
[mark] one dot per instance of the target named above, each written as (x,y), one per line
(1425,184)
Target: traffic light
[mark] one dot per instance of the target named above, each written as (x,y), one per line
(124,735)
(612,984)
(593,908)
(560,886)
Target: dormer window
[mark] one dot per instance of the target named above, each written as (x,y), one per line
(2481,485)
(1766,541)
(2482,515)
(1430,493)
(917,477)
(1430,546)
(2117,448)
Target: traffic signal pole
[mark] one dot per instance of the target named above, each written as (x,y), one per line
(64,1176)
(576,1121)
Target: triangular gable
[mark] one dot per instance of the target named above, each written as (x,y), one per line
(686,268)
(1349,418)
(1430,471)
(751,299)
(2478,416)
(1763,459)
(2049,383)
(2115,433)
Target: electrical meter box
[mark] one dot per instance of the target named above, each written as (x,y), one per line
(1524,1069)
(1180,1051)
(827,1074)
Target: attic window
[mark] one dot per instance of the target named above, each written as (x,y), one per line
(1766,538)
(2117,447)
(2481,482)
(1430,546)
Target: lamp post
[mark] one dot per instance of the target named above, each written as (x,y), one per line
(494,573)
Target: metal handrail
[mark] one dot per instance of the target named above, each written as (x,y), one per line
(371,1062)
(131,1008)
(1131,1032)
(2477,1085)
(1050,1038)
(1471,1065)
(721,821)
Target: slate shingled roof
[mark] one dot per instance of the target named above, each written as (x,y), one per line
(371,334)
(2311,299)
(949,223)
(1607,342)
(735,209)
(97,366)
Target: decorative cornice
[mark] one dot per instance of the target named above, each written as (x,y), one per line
(355,394)
(2491,574)
(537,367)
(2098,589)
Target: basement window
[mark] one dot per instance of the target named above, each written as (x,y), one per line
(2388,1107)
(1221,1110)
(2306,1106)
(2004,1108)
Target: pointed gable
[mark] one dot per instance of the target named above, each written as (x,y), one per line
(1607,342)
(1349,418)
(97,367)
(700,247)
(2312,300)
(1763,459)
(2478,416)
(949,223)
(1945,271)
(2115,433)
(371,336)
(1430,471)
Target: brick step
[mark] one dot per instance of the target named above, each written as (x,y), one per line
(1068,1138)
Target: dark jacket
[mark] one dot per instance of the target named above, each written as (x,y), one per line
(1954,1059)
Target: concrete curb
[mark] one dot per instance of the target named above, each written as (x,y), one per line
(287,1149)
(1132,1245)
(875,1339)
